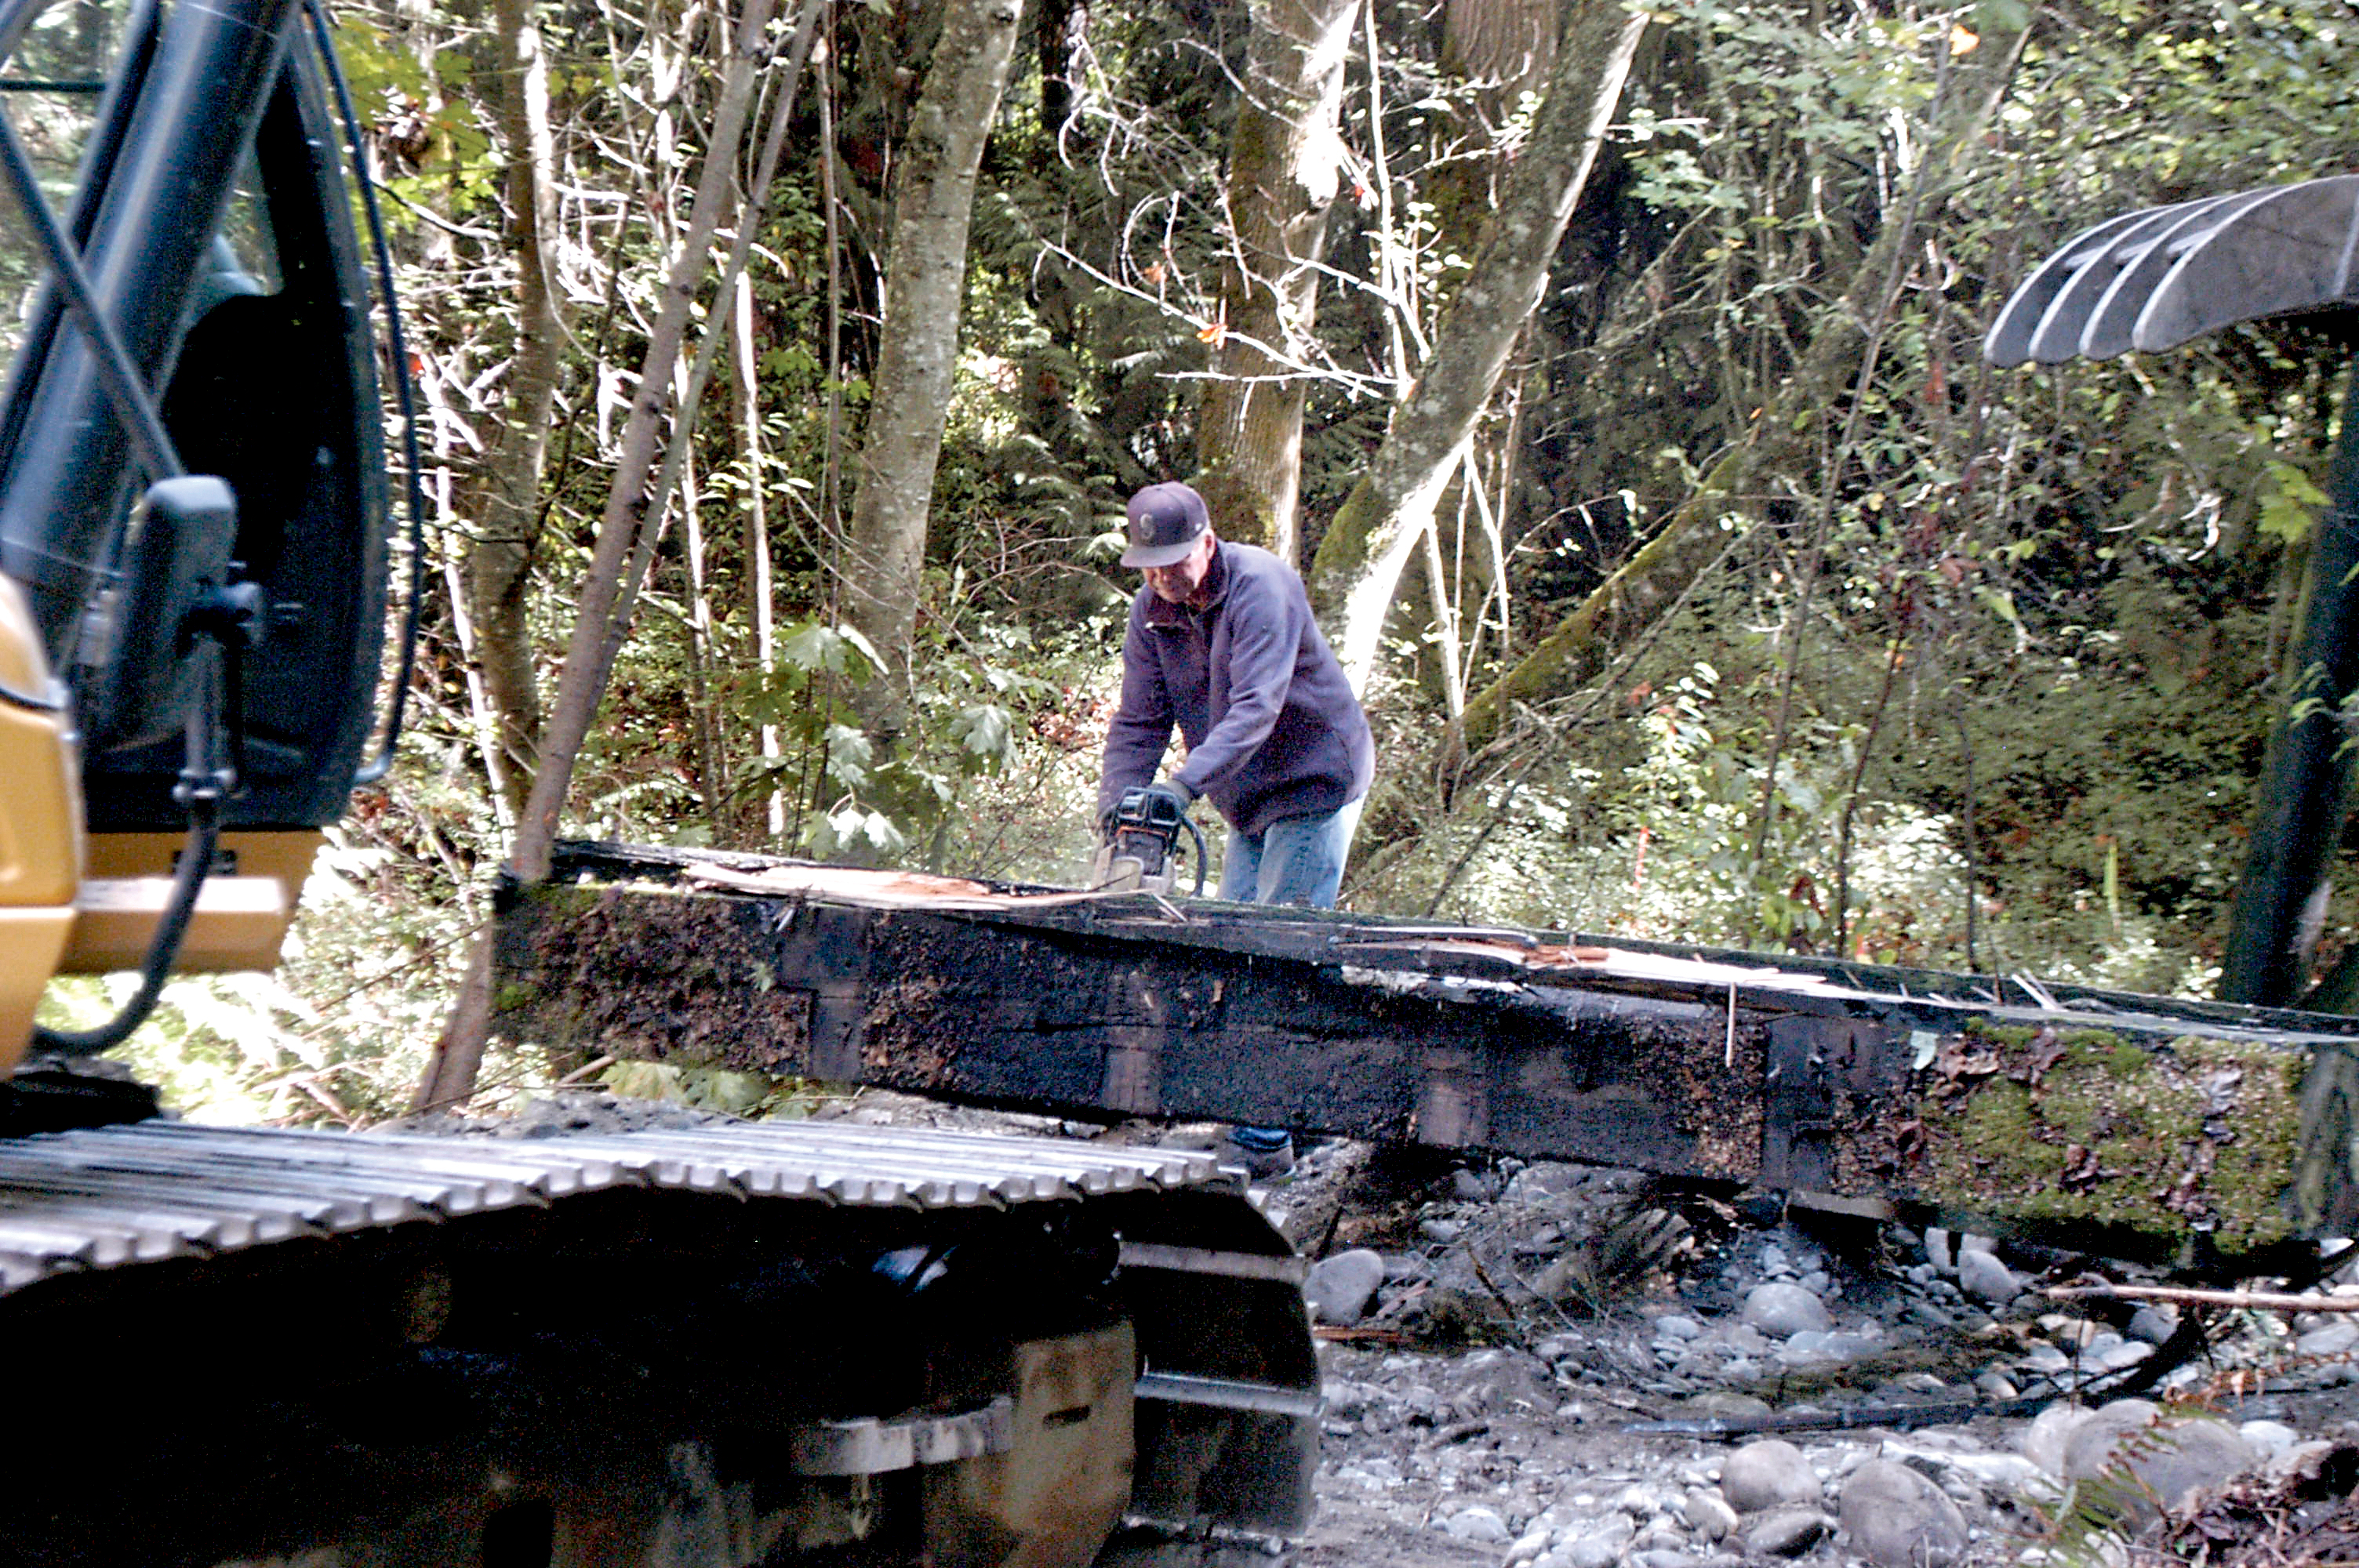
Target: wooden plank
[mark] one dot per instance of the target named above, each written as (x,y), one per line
(2127,1123)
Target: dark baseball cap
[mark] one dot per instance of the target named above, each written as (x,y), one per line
(1164,521)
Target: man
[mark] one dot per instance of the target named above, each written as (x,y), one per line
(1222,644)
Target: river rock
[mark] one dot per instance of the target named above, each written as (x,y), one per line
(2300,1463)
(1767,1473)
(2328,1339)
(1339,1289)
(1472,1187)
(1710,1516)
(2043,1442)
(1780,1307)
(2045,1359)
(1983,1276)
(1721,1403)
(1590,1552)
(1530,1547)
(2121,1355)
(2152,1323)
(1897,1518)
(2173,1461)
(1786,1532)
(2268,1438)
(1478,1523)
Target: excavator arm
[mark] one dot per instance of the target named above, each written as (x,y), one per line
(2156,279)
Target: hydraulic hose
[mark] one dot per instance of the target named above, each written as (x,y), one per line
(404,396)
(207,780)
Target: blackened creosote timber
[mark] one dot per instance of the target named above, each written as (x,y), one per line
(2132,1125)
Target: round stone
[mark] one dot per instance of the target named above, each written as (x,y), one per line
(1786,1532)
(1478,1524)
(1985,1277)
(1710,1516)
(1780,1307)
(1339,1288)
(1767,1473)
(1897,1518)
(2169,1460)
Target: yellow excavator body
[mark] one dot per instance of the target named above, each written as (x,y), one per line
(40,825)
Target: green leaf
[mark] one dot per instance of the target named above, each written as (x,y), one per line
(815,647)
(849,755)
(986,730)
(2289,502)
(2000,603)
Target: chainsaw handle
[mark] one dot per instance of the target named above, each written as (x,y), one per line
(1197,834)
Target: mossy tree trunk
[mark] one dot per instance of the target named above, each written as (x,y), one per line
(1382,522)
(500,559)
(1286,166)
(924,282)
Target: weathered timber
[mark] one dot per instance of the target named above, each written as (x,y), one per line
(2134,1125)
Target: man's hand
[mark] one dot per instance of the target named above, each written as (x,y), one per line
(1171,790)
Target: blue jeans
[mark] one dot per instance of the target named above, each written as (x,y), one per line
(1295,859)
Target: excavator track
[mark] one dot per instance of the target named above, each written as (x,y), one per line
(742,1344)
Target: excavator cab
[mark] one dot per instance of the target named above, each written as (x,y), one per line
(193,511)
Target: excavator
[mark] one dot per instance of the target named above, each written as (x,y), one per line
(779,1343)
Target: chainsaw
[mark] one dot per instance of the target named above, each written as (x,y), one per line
(1141,839)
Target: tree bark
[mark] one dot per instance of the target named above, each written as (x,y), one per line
(1285,163)
(1359,562)
(760,605)
(1495,52)
(450,1068)
(499,562)
(2306,774)
(1719,511)
(924,289)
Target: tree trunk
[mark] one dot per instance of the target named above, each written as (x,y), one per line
(499,564)
(761,607)
(925,283)
(1360,560)
(1716,514)
(1494,51)
(1285,166)
(450,1068)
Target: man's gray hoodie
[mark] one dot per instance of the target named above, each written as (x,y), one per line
(1272,728)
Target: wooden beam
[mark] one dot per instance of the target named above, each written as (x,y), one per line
(2126,1124)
